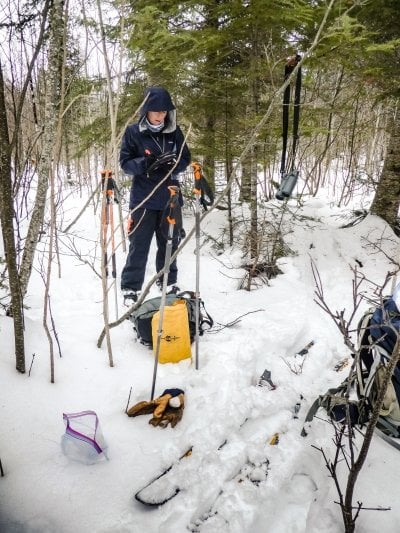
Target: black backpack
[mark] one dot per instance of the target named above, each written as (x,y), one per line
(141,317)
(377,335)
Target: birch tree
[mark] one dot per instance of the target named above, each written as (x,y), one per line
(49,129)
(10,135)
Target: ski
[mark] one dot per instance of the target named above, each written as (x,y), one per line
(250,472)
(144,495)
(387,438)
(343,363)
(297,407)
(388,432)
(306,349)
(165,486)
(296,362)
(165,483)
(253,473)
(265,380)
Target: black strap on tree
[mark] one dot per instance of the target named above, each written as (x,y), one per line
(289,67)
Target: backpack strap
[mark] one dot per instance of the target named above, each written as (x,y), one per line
(204,318)
(383,425)
(324,400)
(188,295)
(364,355)
(334,401)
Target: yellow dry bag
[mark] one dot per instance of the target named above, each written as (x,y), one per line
(175,336)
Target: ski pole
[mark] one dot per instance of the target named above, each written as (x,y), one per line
(111,200)
(108,186)
(197,191)
(173,205)
(104,218)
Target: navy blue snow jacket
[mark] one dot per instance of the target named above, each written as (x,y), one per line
(138,141)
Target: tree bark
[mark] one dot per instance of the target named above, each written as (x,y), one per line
(386,201)
(6,218)
(56,42)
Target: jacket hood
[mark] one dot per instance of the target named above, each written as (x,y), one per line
(158,99)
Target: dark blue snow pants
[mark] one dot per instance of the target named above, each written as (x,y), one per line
(146,223)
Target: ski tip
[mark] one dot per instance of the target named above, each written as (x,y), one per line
(265,380)
(154,503)
(304,351)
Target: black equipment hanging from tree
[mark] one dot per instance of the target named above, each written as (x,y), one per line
(289,174)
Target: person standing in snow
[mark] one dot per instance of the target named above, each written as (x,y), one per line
(153,152)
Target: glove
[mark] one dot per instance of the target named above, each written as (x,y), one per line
(171,411)
(142,408)
(162,404)
(170,416)
(166,409)
(157,407)
(164,161)
(129,225)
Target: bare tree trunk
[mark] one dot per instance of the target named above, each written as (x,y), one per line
(209,158)
(255,93)
(113,106)
(56,41)
(57,60)
(48,279)
(323,158)
(6,218)
(387,197)
(254,236)
(7,198)
(349,180)
(245,181)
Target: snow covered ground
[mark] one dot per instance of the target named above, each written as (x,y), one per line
(45,491)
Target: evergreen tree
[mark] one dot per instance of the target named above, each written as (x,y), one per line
(383,70)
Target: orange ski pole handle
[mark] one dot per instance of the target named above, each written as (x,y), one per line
(107,181)
(196,169)
(197,177)
(173,190)
(173,203)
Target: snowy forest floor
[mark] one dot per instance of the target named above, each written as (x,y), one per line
(45,491)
